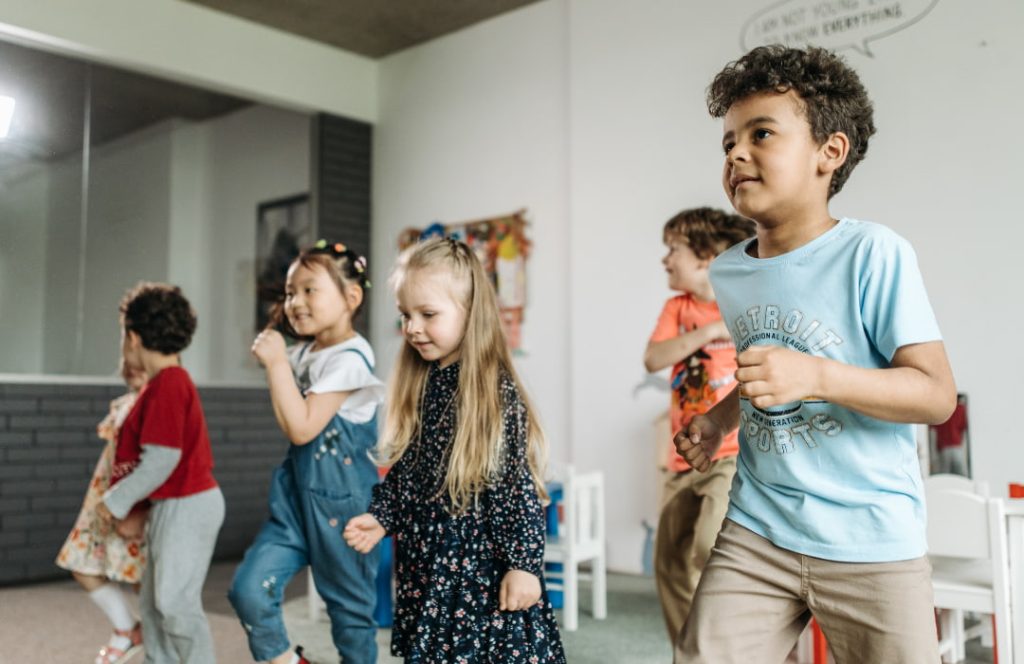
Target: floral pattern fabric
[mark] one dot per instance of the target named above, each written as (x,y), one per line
(449,568)
(92,547)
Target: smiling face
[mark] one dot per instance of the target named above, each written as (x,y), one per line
(316,307)
(433,321)
(774,171)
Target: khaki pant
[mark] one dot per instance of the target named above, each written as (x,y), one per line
(695,505)
(754,599)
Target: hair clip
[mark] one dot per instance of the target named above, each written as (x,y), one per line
(336,248)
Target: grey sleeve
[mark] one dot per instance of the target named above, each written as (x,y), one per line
(155,465)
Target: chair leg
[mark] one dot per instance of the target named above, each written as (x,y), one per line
(599,588)
(570,595)
(959,635)
(987,638)
(948,637)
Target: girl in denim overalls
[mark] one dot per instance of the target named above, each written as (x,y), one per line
(325,398)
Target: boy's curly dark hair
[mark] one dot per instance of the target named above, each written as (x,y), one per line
(708,231)
(834,97)
(160,315)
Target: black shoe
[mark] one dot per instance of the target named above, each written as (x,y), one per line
(302,658)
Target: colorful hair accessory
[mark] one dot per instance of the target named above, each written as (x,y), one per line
(339,248)
(320,244)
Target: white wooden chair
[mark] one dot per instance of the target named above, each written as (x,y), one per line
(967,545)
(581,538)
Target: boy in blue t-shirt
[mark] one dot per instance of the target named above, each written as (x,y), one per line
(838,353)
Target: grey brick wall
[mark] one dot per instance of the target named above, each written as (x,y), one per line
(342,154)
(49,448)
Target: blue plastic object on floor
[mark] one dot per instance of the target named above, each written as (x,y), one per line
(551,511)
(551,516)
(555,596)
(384,613)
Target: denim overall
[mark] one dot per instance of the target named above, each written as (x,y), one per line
(313,494)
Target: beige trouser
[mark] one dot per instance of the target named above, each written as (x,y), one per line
(754,599)
(695,505)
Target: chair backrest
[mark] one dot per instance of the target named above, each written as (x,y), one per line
(582,512)
(969,527)
(585,522)
(957,482)
(963,522)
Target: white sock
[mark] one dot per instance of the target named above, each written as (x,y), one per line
(112,602)
(294,659)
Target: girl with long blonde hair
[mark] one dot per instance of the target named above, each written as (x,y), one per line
(463,498)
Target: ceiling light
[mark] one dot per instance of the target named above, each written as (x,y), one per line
(6,113)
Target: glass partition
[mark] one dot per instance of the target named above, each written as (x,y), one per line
(108,177)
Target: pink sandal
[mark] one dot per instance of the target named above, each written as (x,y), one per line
(108,654)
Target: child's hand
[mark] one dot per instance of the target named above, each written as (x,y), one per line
(363,532)
(519,591)
(699,442)
(130,529)
(103,513)
(773,375)
(105,521)
(269,347)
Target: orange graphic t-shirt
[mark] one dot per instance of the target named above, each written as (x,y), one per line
(700,380)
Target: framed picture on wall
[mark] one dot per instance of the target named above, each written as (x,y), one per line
(283,227)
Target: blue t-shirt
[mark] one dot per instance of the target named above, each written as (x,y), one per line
(814,477)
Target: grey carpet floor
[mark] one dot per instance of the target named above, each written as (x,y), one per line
(55,623)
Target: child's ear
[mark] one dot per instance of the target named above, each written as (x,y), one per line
(833,152)
(353,296)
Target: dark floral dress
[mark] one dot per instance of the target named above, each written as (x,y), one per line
(449,568)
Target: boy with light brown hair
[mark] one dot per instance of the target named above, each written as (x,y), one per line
(691,338)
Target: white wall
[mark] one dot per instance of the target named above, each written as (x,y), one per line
(255,155)
(641,146)
(189,237)
(63,248)
(173,202)
(128,226)
(193,44)
(24,203)
(470,126)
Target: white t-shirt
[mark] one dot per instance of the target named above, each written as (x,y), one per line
(340,368)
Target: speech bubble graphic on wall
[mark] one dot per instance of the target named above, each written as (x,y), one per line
(832,24)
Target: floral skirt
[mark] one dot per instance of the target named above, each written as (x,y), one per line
(93,548)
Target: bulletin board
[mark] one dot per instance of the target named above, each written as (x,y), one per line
(503,249)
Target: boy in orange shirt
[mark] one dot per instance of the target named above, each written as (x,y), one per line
(692,339)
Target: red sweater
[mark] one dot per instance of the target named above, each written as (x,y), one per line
(168,413)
